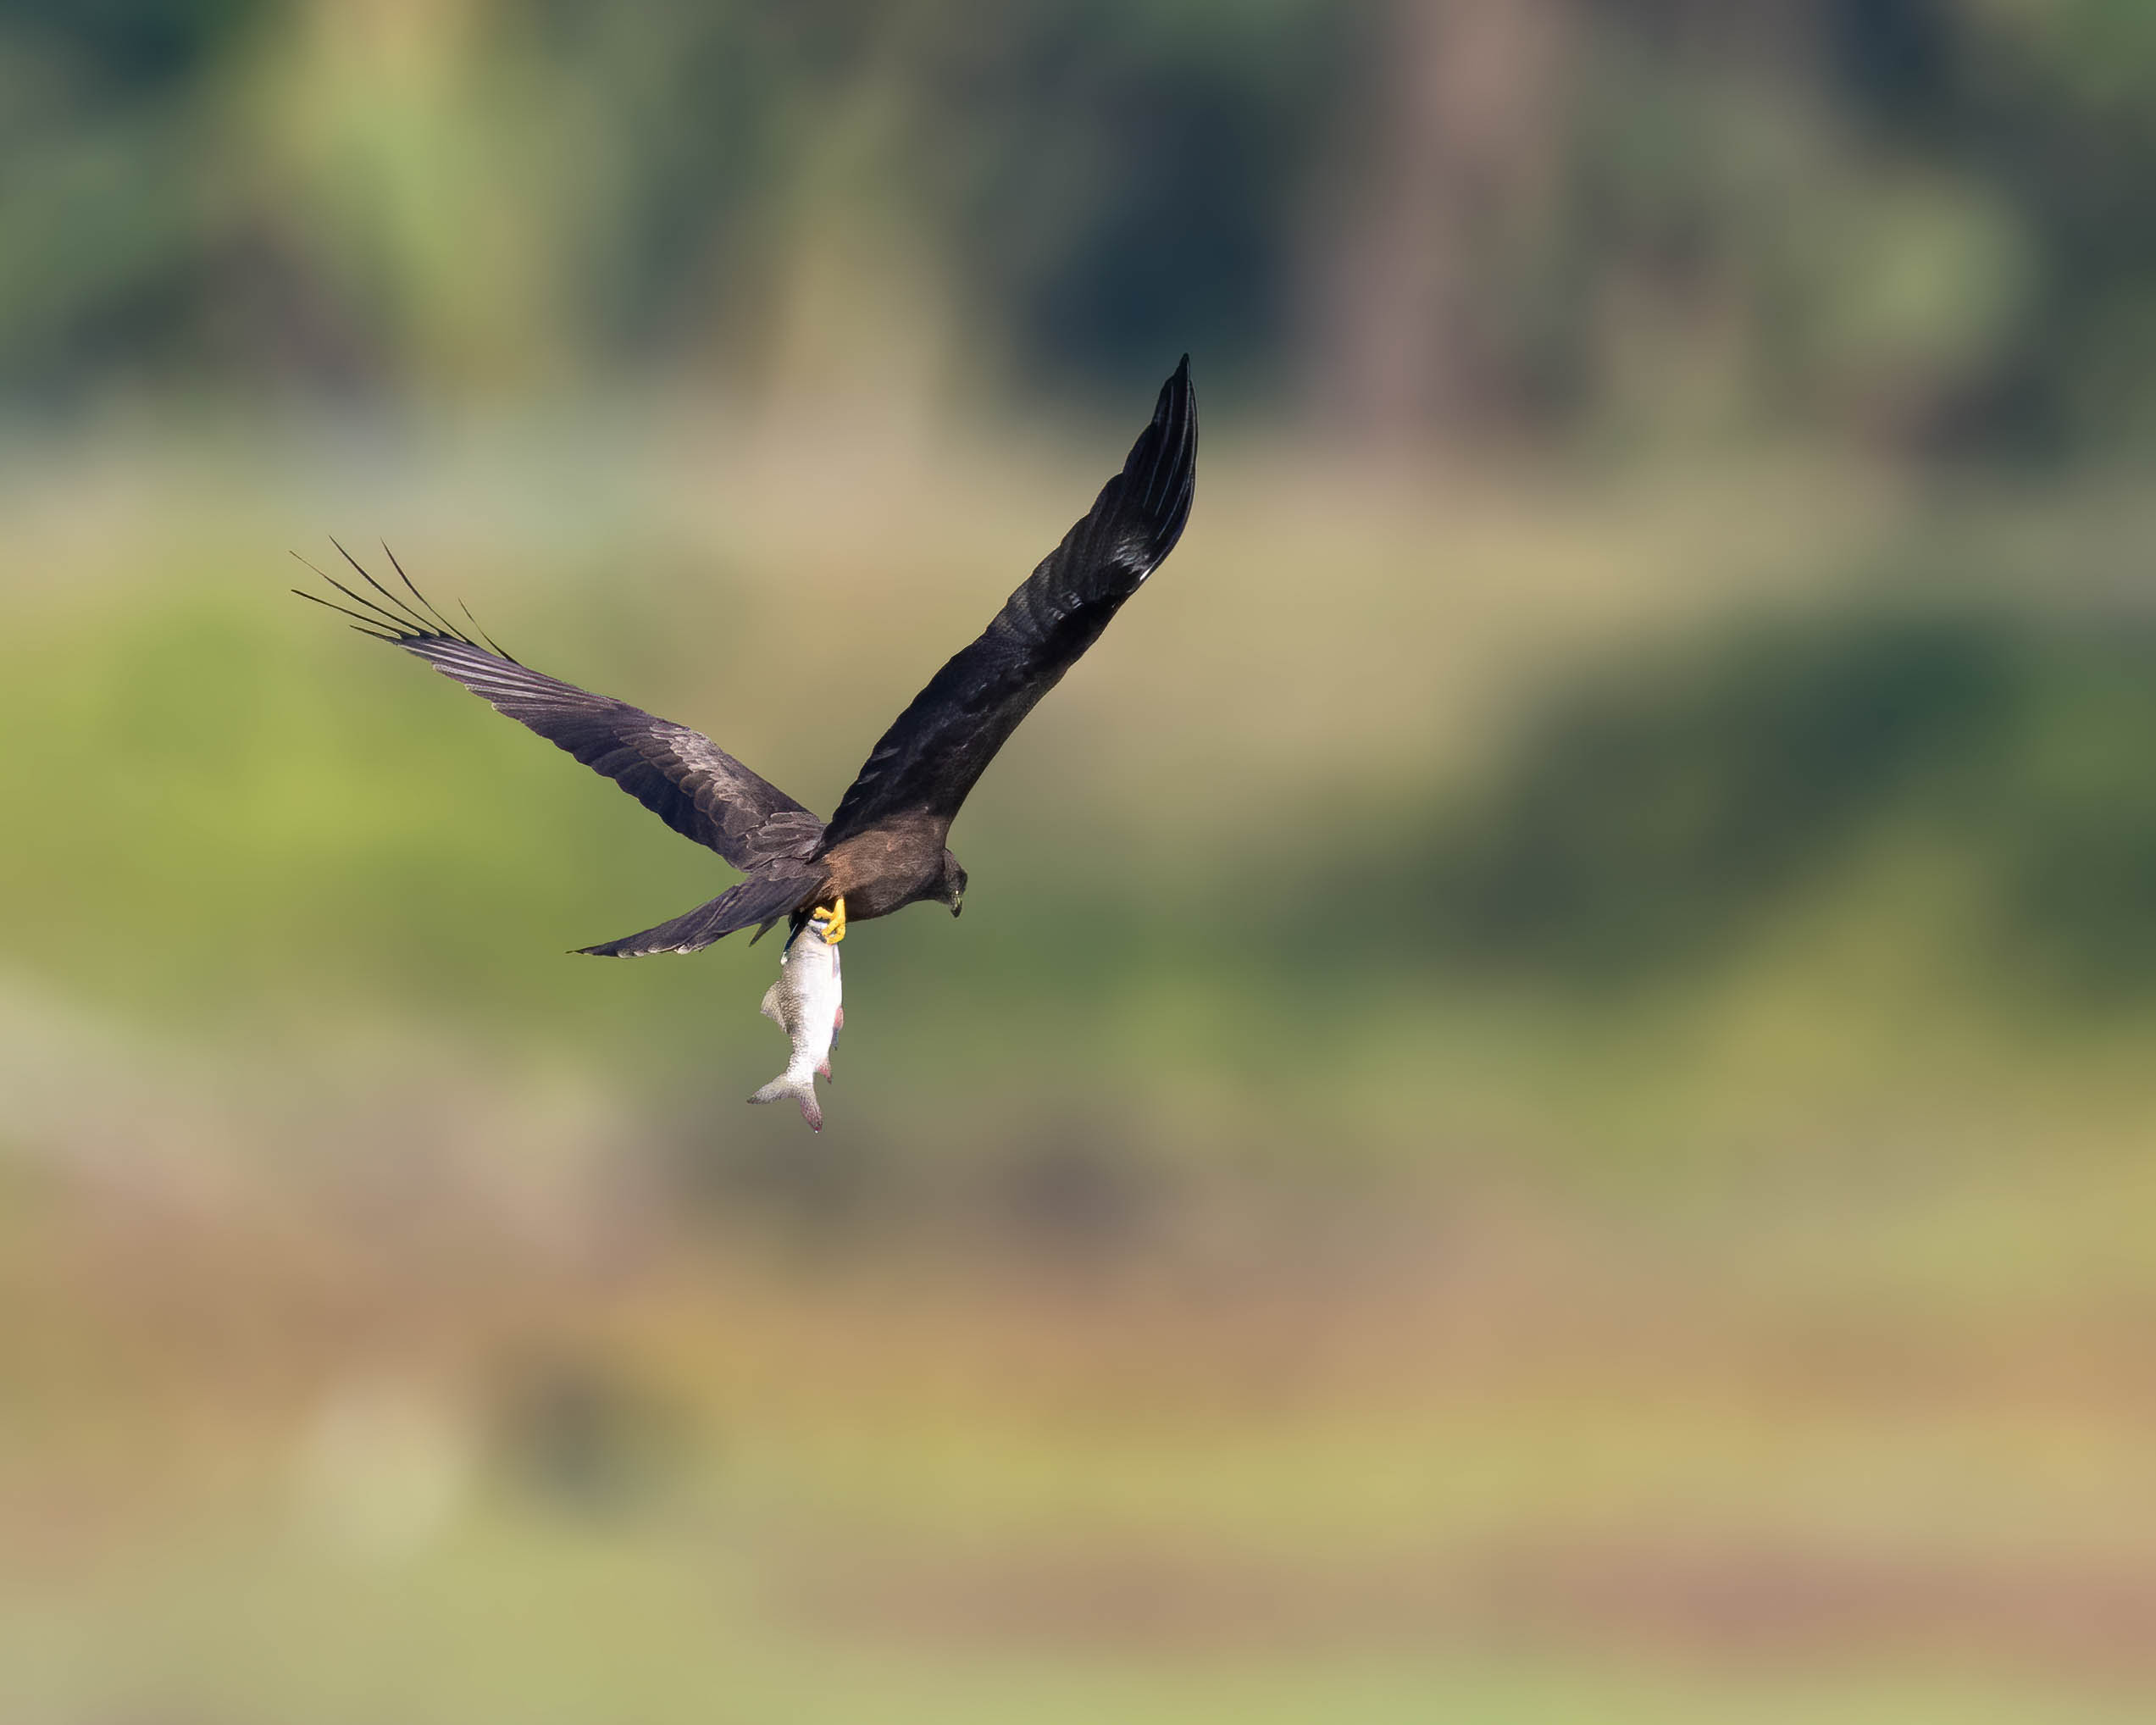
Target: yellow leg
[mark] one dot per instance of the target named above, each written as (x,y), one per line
(831,924)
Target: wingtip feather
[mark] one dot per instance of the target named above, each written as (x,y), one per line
(394,618)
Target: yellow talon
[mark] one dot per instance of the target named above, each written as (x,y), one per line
(831,924)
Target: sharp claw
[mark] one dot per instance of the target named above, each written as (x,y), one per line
(830,925)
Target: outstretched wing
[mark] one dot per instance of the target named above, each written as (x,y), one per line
(939,748)
(681,775)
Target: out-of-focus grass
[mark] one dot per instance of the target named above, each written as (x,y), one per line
(1226,1287)
(1393,1495)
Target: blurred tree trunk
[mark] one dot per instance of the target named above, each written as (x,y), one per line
(1441,182)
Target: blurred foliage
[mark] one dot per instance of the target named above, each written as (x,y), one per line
(1661,812)
(1648,823)
(1918,220)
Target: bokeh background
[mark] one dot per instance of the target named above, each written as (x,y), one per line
(1544,1111)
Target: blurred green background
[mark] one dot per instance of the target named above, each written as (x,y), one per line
(1542,1110)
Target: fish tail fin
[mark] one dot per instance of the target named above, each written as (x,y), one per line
(802,1090)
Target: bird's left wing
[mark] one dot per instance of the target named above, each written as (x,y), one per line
(939,748)
(681,775)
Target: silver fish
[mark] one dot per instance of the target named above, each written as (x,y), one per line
(805,1003)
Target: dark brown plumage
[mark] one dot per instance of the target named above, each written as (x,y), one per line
(884,847)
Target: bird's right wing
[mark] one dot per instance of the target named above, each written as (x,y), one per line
(681,775)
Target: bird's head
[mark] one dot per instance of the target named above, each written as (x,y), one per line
(951,889)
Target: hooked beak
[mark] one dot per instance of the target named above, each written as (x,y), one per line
(957,905)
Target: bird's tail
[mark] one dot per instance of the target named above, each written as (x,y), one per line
(802,1090)
(759,899)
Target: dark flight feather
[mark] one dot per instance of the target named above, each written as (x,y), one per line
(683,777)
(939,748)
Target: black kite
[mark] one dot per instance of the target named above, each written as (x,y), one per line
(884,847)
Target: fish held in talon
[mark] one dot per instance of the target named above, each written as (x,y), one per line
(804,1002)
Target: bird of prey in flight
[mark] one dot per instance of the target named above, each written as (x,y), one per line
(884,849)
